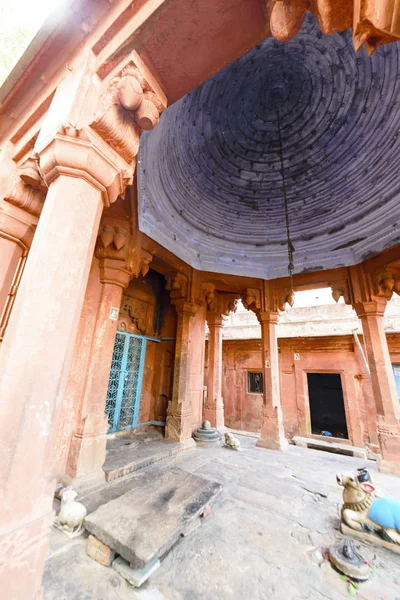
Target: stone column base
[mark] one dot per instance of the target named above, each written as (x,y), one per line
(179,423)
(389,441)
(86,456)
(214,414)
(23,551)
(272,434)
(389,466)
(282,445)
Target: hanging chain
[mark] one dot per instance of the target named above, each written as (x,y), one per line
(290,246)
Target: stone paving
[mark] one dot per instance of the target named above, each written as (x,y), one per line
(260,542)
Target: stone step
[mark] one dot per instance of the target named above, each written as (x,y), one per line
(121,464)
(143,524)
(330,446)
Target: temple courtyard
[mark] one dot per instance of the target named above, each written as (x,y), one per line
(264,538)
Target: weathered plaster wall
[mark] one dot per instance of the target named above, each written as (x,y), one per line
(297,357)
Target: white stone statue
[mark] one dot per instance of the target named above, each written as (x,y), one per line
(231,441)
(72,514)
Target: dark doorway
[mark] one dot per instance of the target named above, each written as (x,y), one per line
(327,405)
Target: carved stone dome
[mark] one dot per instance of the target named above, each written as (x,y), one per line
(210,184)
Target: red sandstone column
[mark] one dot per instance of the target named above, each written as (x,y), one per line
(382,380)
(272,432)
(88,444)
(214,410)
(179,414)
(34,365)
(36,352)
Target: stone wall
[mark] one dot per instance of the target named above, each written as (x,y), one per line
(297,357)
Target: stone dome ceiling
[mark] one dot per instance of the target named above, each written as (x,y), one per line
(210,185)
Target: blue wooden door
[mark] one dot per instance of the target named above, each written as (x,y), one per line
(396,373)
(125,383)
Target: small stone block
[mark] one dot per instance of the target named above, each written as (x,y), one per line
(135,577)
(193,525)
(99,552)
(207,511)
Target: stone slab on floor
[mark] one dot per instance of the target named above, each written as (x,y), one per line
(335,447)
(135,577)
(145,523)
(133,451)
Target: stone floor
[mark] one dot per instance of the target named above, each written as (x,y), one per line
(259,543)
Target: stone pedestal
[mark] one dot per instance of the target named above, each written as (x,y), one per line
(207,436)
(272,432)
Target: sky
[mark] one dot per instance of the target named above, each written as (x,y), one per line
(20,20)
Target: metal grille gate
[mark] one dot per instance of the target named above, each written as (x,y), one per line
(125,383)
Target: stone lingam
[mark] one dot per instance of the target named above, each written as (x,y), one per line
(345,558)
(206,435)
(368,514)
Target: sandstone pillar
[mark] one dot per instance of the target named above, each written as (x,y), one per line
(179,414)
(382,381)
(33,374)
(37,348)
(86,150)
(214,410)
(272,431)
(88,443)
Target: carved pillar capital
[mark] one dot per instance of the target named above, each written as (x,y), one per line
(215,320)
(268,317)
(92,127)
(372,308)
(119,259)
(183,307)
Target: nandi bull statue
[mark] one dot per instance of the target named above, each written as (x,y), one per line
(366,513)
(231,441)
(72,514)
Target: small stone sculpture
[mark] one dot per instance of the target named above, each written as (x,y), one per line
(231,441)
(368,515)
(72,514)
(347,560)
(206,435)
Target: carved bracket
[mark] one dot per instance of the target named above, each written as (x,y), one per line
(177,285)
(28,190)
(340,290)
(128,105)
(251,299)
(374,22)
(385,282)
